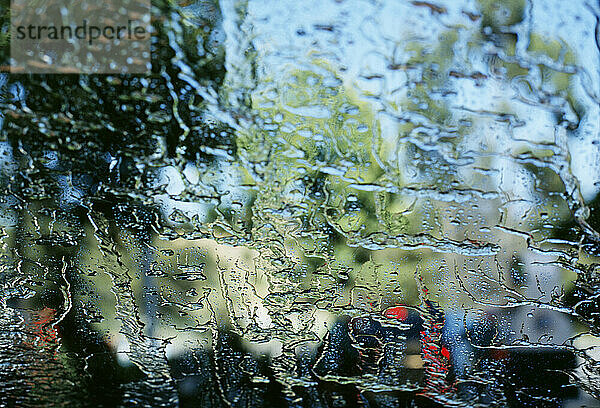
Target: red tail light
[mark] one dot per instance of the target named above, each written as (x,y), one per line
(397,312)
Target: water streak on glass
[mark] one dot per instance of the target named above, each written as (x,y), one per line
(310,204)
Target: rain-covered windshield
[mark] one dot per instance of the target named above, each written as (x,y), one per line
(341,203)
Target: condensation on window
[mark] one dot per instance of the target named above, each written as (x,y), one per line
(310,204)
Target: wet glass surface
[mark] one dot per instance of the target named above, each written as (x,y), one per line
(310,204)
